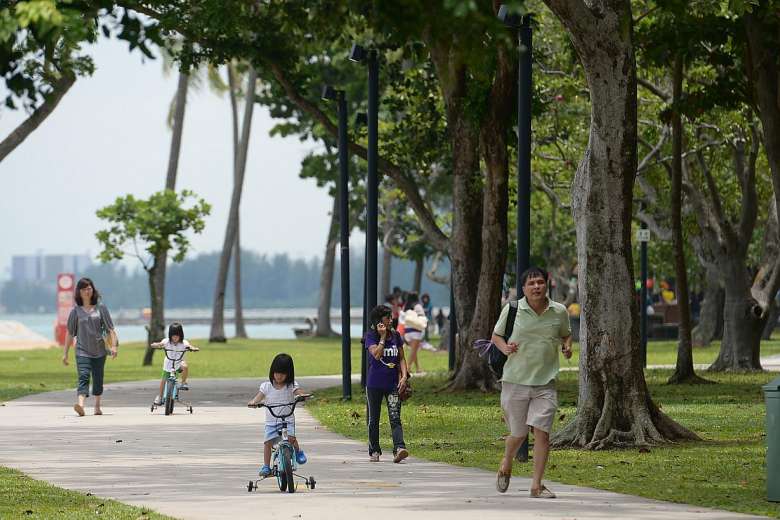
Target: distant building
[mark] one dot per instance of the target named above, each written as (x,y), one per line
(45,268)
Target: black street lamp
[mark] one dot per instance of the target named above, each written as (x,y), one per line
(524,86)
(331,94)
(360,54)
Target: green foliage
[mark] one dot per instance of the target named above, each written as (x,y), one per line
(41,41)
(159,224)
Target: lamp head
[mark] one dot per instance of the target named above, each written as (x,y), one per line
(507,18)
(357,53)
(329,93)
(361,119)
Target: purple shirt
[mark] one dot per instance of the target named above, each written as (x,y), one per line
(380,375)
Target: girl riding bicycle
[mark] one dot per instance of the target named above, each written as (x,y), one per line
(280,388)
(175,346)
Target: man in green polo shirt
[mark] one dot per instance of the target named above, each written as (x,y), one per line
(528,396)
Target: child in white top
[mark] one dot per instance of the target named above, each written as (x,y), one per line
(176,346)
(280,388)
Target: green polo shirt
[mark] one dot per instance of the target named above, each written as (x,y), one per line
(538,339)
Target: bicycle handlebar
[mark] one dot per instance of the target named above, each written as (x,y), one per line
(291,406)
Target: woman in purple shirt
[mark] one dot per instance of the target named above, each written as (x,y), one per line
(387,374)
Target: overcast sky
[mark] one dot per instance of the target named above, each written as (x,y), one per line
(108,137)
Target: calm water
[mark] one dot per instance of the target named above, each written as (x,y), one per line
(43,324)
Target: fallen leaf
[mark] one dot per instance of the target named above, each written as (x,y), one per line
(644,449)
(29,512)
(562,417)
(599,467)
(354,414)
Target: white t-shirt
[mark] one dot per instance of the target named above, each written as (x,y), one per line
(275,396)
(169,365)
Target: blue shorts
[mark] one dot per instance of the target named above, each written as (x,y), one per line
(272,432)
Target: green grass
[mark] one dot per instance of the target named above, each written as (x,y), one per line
(24,372)
(665,352)
(24,497)
(725,470)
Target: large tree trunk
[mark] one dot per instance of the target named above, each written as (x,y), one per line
(614,406)
(479,237)
(743,323)
(418,272)
(237,293)
(156,329)
(710,326)
(683,372)
(20,133)
(324,328)
(217,332)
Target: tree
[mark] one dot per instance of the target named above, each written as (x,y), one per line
(157,225)
(614,406)
(217,332)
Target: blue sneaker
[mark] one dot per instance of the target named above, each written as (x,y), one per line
(265,470)
(300,457)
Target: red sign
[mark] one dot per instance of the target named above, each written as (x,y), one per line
(65,302)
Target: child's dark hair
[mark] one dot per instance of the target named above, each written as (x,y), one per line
(82,284)
(411,300)
(282,363)
(377,313)
(175,329)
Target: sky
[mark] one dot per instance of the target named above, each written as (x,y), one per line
(109,137)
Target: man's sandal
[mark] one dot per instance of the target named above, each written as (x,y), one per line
(542,492)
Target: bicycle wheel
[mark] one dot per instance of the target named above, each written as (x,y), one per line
(288,469)
(168,398)
(281,476)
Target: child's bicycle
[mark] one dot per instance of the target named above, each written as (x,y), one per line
(170,394)
(283,459)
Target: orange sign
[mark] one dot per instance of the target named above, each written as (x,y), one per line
(65,302)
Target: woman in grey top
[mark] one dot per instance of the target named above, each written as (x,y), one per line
(88,323)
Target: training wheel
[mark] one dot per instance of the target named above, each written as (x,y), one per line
(250,486)
(190,409)
(311,482)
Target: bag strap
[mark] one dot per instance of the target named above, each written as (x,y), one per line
(510,319)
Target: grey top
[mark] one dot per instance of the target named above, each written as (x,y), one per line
(87,328)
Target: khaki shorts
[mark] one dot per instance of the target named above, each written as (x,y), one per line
(525,406)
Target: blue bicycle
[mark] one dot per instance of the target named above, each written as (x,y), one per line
(283,458)
(172,386)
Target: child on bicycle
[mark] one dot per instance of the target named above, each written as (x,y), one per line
(280,388)
(176,346)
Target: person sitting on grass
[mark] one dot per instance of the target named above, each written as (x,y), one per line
(175,346)
(280,389)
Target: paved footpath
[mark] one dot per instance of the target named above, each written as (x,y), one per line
(197,466)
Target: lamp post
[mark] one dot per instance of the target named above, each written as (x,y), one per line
(360,54)
(524,89)
(331,94)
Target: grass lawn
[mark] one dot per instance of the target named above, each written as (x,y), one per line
(25,372)
(725,470)
(24,497)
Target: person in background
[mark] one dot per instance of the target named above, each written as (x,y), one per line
(427,306)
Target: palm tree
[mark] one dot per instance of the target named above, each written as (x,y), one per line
(217,333)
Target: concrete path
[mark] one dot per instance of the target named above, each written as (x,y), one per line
(197,466)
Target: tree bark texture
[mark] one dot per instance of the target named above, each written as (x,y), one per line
(614,406)
(21,132)
(683,371)
(324,328)
(217,333)
(710,326)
